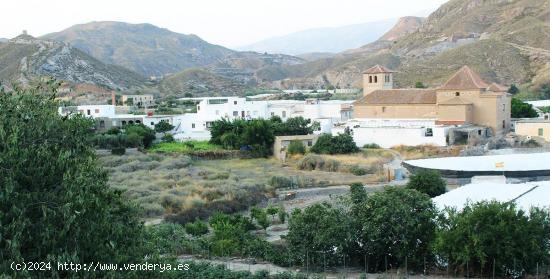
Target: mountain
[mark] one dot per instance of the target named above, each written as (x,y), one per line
(403,27)
(333,40)
(143,48)
(505,41)
(3,40)
(200,82)
(25,58)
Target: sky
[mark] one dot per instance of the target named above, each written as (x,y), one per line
(229,23)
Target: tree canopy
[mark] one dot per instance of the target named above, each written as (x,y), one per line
(428,182)
(522,110)
(55,204)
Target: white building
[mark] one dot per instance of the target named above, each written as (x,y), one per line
(392,132)
(525,195)
(89,110)
(195,125)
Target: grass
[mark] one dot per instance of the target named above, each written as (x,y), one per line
(184,147)
(170,183)
(425,151)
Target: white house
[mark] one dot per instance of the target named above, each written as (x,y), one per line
(89,110)
(392,132)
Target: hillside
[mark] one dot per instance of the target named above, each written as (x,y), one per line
(505,41)
(332,40)
(25,58)
(144,48)
(403,27)
(200,82)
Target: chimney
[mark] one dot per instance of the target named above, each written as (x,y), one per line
(113,101)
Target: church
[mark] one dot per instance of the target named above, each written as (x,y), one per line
(463,99)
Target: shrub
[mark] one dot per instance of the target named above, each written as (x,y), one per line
(340,144)
(371,146)
(163,126)
(167,138)
(316,162)
(296,147)
(428,182)
(196,228)
(118,151)
(357,170)
(280,182)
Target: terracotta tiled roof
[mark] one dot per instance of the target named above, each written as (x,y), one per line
(377,69)
(465,78)
(455,101)
(495,87)
(399,96)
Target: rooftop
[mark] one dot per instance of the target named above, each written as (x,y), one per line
(525,195)
(399,96)
(377,69)
(465,78)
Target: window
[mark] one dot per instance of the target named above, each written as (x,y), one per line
(198,107)
(383,109)
(429,132)
(217,112)
(370,79)
(503,124)
(375,79)
(123,122)
(457,94)
(96,110)
(88,112)
(193,125)
(242,114)
(138,122)
(272,114)
(284,113)
(309,143)
(152,123)
(234,102)
(479,132)
(235,113)
(387,78)
(101,124)
(503,107)
(541,132)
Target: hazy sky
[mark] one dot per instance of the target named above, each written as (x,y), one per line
(226,22)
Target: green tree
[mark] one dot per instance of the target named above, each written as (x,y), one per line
(340,144)
(491,232)
(292,126)
(319,232)
(168,138)
(196,228)
(513,89)
(55,204)
(296,147)
(419,84)
(163,126)
(272,211)
(397,225)
(522,110)
(428,182)
(358,193)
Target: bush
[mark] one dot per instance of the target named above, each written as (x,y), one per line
(522,110)
(168,138)
(316,162)
(280,182)
(371,146)
(118,151)
(163,126)
(340,144)
(196,228)
(357,170)
(296,147)
(428,182)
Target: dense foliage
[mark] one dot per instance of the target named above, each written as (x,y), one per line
(256,135)
(163,126)
(495,235)
(55,204)
(428,182)
(296,147)
(339,144)
(131,136)
(522,110)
